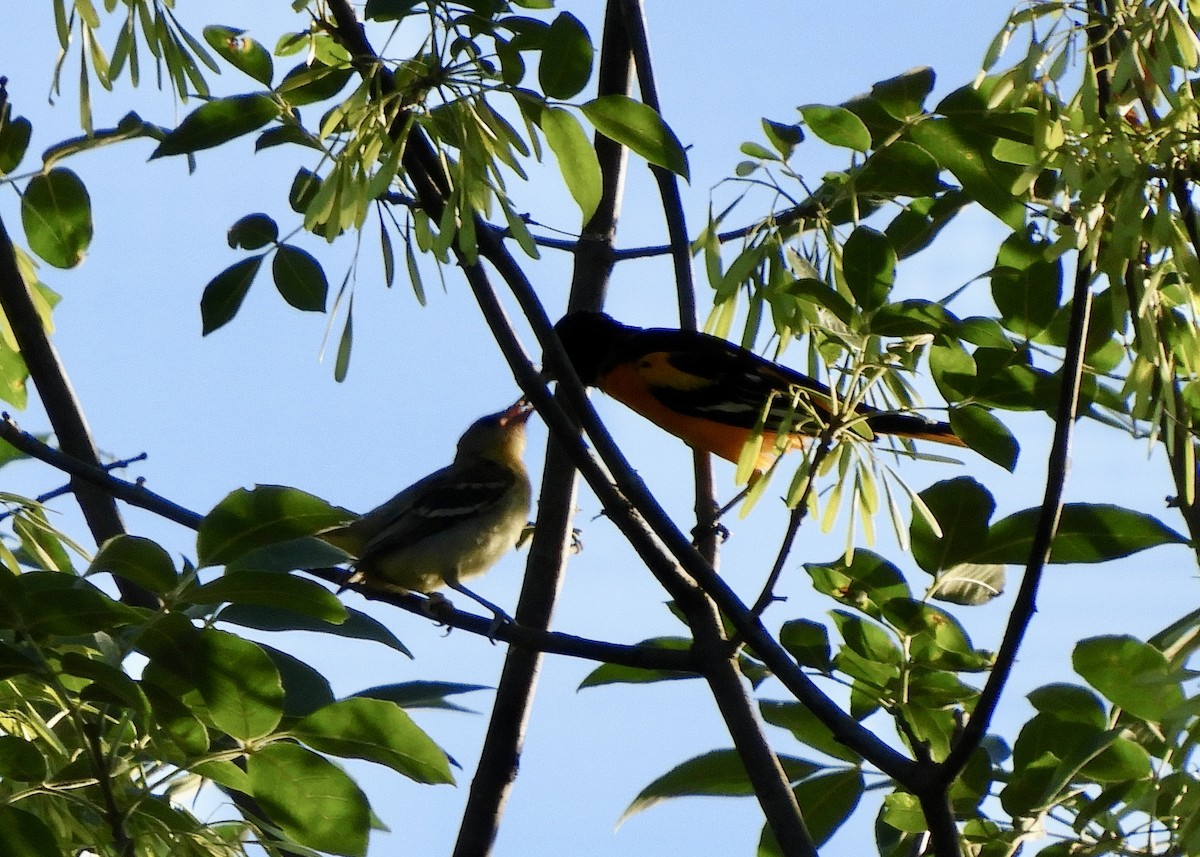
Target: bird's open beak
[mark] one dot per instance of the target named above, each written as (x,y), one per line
(517,413)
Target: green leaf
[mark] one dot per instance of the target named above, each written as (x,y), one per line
(376,731)
(962,508)
(1120,761)
(1131,674)
(869,264)
(356,625)
(867,583)
(837,126)
(1026,288)
(14,140)
(983,432)
(902,811)
(253,232)
(969,584)
(300,278)
(808,643)
(137,560)
(421,694)
(225,774)
(819,293)
(23,834)
(935,639)
(309,83)
(304,689)
(270,589)
(783,137)
(576,158)
(806,728)
(236,679)
(173,721)
(53,603)
(224,294)
(388,10)
(21,760)
(250,519)
(903,96)
(286,133)
(217,122)
(57,215)
(108,684)
(718,773)
(42,544)
(639,127)
(304,552)
(1086,533)
(305,187)
(912,317)
(242,52)
(1070,702)
(14,661)
(619,674)
(13,377)
(914,228)
(310,798)
(900,169)
(966,152)
(1005,379)
(828,800)
(566,63)
(867,639)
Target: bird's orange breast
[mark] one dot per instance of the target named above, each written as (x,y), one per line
(633,383)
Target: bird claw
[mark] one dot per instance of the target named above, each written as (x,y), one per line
(715,528)
(527,535)
(498,622)
(436,607)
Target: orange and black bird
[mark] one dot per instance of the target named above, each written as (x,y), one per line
(711,393)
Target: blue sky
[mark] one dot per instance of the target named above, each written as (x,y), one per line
(252,403)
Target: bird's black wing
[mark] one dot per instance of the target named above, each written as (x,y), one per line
(443,500)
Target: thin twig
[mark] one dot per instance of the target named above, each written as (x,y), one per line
(135,494)
(767,595)
(55,493)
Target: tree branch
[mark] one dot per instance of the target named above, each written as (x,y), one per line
(767,595)
(1025,604)
(62,407)
(770,783)
(135,494)
(642,657)
(639,517)
(628,503)
(500,756)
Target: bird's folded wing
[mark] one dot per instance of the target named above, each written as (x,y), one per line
(708,378)
(452,496)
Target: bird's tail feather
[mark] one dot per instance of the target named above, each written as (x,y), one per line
(906,425)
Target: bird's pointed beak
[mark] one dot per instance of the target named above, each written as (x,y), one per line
(517,413)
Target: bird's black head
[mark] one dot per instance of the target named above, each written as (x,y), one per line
(592,340)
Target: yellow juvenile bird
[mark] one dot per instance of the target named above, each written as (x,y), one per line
(455,523)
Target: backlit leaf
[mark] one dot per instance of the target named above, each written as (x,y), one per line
(639,127)
(250,519)
(217,122)
(312,799)
(56,212)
